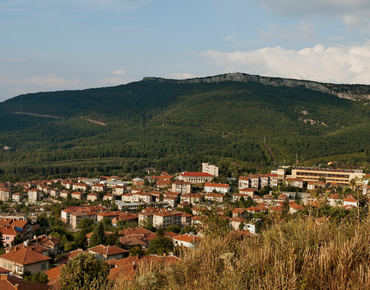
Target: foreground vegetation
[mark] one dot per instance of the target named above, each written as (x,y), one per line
(294,254)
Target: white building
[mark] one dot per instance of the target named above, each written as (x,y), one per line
(211,169)
(220,188)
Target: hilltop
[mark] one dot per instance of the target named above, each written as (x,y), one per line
(238,118)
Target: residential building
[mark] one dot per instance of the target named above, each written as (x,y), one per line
(98,187)
(214,197)
(118,190)
(243,182)
(5,194)
(109,214)
(76,217)
(350,201)
(78,195)
(164,183)
(107,252)
(218,187)
(182,187)
(295,182)
(64,193)
(191,198)
(211,169)
(280,172)
(8,282)
(138,182)
(52,243)
(167,218)
(294,207)
(92,197)
(188,240)
(247,191)
(274,180)
(108,197)
(254,181)
(28,258)
(17,197)
(80,186)
(339,176)
(196,177)
(142,197)
(54,192)
(34,195)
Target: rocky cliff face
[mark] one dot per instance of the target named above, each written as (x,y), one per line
(351,92)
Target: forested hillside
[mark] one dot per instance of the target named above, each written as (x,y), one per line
(175,126)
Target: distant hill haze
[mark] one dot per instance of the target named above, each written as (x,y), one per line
(252,121)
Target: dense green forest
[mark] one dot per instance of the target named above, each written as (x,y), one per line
(176,126)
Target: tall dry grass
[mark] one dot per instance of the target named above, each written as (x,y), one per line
(298,254)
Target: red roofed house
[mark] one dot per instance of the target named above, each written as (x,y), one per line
(8,234)
(243,182)
(195,177)
(294,207)
(8,282)
(214,197)
(167,218)
(80,186)
(23,258)
(92,197)
(163,183)
(98,187)
(186,240)
(78,195)
(350,201)
(108,252)
(220,188)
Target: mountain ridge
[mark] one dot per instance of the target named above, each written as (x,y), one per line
(344,91)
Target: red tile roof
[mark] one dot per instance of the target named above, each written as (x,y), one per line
(25,256)
(107,250)
(8,282)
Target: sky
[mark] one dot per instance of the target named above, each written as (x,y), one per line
(50,45)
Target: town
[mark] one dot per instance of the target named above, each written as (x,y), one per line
(44,224)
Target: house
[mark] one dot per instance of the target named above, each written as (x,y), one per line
(295,182)
(64,193)
(34,195)
(108,197)
(8,234)
(23,258)
(109,214)
(334,200)
(191,198)
(126,216)
(50,242)
(167,218)
(54,192)
(164,183)
(247,191)
(171,200)
(92,197)
(108,252)
(142,197)
(185,219)
(5,194)
(273,180)
(138,182)
(239,212)
(188,240)
(80,186)
(219,188)
(264,180)
(243,182)
(98,187)
(350,201)
(17,197)
(67,184)
(235,223)
(214,197)
(118,190)
(8,282)
(294,207)
(78,195)
(182,187)
(25,229)
(254,181)
(77,217)
(195,177)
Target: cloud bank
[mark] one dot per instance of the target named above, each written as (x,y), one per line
(343,64)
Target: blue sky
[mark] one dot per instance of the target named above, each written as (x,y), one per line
(48,45)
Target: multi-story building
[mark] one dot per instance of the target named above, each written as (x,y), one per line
(243,182)
(214,197)
(211,169)
(76,217)
(163,183)
(339,176)
(254,181)
(195,177)
(167,218)
(92,197)
(5,194)
(54,192)
(274,180)
(98,187)
(34,195)
(80,186)
(78,195)
(181,187)
(220,188)
(64,193)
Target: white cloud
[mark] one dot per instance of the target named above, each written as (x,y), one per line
(51,80)
(343,64)
(353,13)
(120,72)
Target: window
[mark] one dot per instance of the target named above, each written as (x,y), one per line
(4,264)
(43,266)
(7,238)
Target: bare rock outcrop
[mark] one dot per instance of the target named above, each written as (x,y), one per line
(351,92)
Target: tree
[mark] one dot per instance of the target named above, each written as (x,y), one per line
(40,277)
(80,239)
(175,228)
(17,240)
(1,240)
(84,272)
(98,236)
(137,251)
(160,245)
